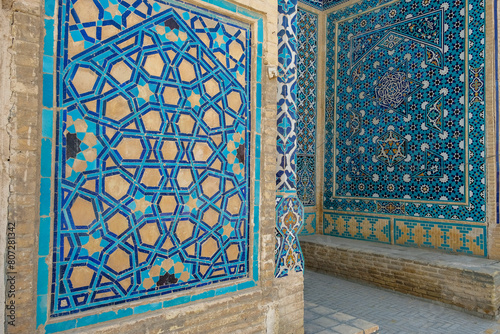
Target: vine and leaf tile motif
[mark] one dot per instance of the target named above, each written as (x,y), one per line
(152,167)
(289,209)
(286,176)
(289,223)
(307,95)
(405,121)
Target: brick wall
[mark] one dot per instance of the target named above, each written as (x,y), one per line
(20,106)
(471,284)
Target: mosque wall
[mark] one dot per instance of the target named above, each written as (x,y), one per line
(307,115)
(142,168)
(409,141)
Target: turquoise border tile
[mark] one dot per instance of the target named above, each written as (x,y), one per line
(248,13)
(258,146)
(204,295)
(48,90)
(41,309)
(47,123)
(50,6)
(148,307)
(176,301)
(256,219)
(48,64)
(246,285)
(259,93)
(46,152)
(260,31)
(45,197)
(44,249)
(257,191)
(257,169)
(48,41)
(258,120)
(227,289)
(60,326)
(224,4)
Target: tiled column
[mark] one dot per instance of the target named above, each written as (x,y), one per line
(289,210)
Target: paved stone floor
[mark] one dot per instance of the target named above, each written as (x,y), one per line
(394,313)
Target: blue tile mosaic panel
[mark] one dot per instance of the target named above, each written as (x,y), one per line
(152,152)
(307,67)
(289,210)
(289,222)
(453,238)
(327,4)
(357,227)
(405,123)
(309,224)
(286,177)
(307,86)
(306,179)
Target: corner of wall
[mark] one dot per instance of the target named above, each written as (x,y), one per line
(492,136)
(4,145)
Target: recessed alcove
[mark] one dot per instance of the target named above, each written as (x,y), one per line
(392,131)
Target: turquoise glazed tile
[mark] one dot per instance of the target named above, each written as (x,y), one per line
(46,168)
(246,285)
(44,248)
(48,64)
(404,151)
(43,270)
(227,289)
(48,41)
(47,123)
(60,326)
(50,7)
(150,141)
(48,90)
(177,301)
(203,295)
(148,307)
(41,310)
(45,197)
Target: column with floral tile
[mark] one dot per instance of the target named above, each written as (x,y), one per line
(289,209)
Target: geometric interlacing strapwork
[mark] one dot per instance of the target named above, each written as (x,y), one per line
(152,154)
(405,109)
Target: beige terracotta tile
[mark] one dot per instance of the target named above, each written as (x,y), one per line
(82,212)
(81,276)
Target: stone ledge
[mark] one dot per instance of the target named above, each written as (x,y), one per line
(469,283)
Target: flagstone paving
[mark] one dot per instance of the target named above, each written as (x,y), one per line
(334,305)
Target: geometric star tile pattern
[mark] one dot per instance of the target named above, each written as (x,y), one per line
(405,109)
(307,48)
(152,167)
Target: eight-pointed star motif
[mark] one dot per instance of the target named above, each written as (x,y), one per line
(394,88)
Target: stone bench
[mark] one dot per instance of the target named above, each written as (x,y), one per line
(468,283)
